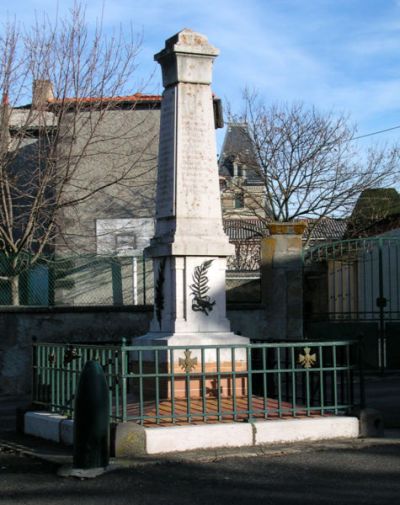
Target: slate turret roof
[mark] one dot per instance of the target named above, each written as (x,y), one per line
(238,148)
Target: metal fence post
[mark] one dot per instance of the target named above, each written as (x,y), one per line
(144,280)
(124,371)
(381,303)
(361,371)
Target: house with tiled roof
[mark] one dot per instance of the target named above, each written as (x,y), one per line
(113,143)
(324,230)
(246,234)
(117,140)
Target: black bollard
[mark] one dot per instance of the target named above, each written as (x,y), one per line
(91,424)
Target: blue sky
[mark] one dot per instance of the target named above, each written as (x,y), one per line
(340,55)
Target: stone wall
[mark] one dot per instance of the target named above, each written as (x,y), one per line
(18,327)
(247,319)
(92,324)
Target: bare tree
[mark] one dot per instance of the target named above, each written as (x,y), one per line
(247,255)
(308,162)
(78,75)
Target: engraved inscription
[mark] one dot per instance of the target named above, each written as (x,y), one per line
(166,157)
(197,156)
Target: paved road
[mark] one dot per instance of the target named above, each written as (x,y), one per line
(346,475)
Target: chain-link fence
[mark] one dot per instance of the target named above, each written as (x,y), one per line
(88,280)
(76,280)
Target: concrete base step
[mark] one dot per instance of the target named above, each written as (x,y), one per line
(131,439)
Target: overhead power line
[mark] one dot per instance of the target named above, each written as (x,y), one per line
(376,133)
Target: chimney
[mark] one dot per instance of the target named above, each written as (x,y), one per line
(42,93)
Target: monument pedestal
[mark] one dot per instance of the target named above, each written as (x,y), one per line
(192,371)
(189,248)
(190,311)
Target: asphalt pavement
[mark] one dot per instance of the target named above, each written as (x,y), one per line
(363,471)
(344,474)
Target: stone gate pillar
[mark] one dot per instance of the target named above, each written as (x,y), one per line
(282,280)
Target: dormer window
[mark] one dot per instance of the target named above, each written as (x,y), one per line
(239,201)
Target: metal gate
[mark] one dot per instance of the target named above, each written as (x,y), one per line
(352,289)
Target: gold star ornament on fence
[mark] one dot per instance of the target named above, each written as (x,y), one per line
(307,360)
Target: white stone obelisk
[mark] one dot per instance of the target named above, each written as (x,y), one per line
(189,248)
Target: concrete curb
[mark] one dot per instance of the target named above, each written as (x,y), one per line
(298,430)
(132,440)
(186,438)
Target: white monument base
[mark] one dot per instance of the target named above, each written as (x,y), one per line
(193,372)
(191,339)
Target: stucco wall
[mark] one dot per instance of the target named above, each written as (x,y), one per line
(122,147)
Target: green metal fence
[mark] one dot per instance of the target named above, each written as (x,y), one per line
(354,286)
(81,280)
(156,385)
(56,370)
(361,278)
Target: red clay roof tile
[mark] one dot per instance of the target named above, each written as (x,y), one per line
(137,97)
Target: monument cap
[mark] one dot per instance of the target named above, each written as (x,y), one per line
(175,58)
